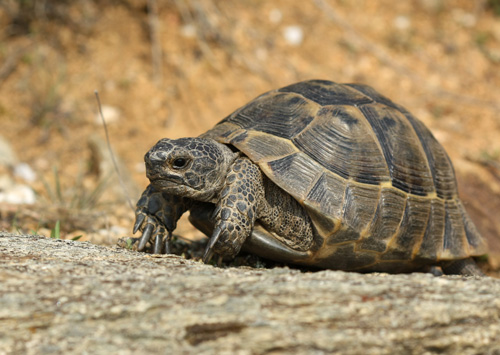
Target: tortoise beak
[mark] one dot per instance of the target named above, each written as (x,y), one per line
(155,178)
(161,181)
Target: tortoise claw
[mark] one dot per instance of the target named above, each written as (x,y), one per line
(168,247)
(138,222)
(146,235)
(209,252)
(158,244)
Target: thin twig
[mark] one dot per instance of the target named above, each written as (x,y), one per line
(115,165)
(202,26)
(156,51)
(11,62)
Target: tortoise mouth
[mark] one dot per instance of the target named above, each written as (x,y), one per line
(159,178)
(170,186)
(163,180)
(167,182)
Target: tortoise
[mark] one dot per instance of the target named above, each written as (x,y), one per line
(316,173)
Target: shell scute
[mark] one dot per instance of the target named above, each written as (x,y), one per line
(296,171)
(411,231)
(328,93)
(431,247)
(279,114)
(455,245)
(401,149)
(328,191)
(341,140)
(360,204)
(345,257)
(388,216)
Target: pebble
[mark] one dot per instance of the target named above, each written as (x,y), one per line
(140,168)
(275,16)
(464,18)
(188,31)
(18,194)
(402,22)
(7,155)
(24,172)
(111,115)
(294,35)
(13,192)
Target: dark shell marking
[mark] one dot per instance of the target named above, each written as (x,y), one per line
(378,186)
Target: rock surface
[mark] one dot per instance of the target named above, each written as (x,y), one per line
(59,296)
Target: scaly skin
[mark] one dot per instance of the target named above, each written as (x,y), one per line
(235,186)
(156,215)
(236,209)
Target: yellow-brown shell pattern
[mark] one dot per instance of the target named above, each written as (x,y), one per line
(378,186)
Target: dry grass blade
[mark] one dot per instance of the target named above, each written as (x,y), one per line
(115,165)
(10,63)
(193,13)
(156,50)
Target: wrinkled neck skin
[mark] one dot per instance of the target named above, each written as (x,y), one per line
(217,177)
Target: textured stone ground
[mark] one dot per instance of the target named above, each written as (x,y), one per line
(59,296)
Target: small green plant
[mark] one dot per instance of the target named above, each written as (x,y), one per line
(490,156)
(35,231)
(482,38)
(56,232)
(482,258)
(73,206)
(78,197)
(482,41)
(16,228)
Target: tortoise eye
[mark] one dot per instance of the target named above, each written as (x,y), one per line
(179,163)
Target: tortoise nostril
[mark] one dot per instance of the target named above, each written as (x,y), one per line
(155,157)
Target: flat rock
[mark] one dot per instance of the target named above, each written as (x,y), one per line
(60,296)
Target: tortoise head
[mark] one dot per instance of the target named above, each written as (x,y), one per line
(189,167)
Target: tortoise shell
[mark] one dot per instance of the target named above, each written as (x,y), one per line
(377,185)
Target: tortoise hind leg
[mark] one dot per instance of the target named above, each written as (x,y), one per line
(260,242)
(266,245)
(466,267)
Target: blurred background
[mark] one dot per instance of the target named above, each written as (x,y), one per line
(173,68)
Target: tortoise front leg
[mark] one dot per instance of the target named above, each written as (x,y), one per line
(156,216)
(236,209)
